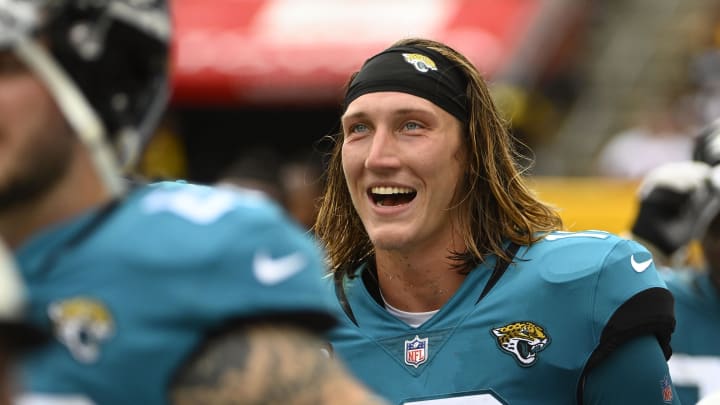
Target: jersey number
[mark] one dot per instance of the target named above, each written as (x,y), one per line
(200,205)
(473,399)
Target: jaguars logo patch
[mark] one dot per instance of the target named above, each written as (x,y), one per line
(82,325)
(421,62)
(522,340)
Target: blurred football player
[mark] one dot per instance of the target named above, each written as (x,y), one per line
(17,336)
(679,203)
(152,292)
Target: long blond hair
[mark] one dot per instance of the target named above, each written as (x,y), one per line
(494,203)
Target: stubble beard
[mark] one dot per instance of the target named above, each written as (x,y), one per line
(36,174)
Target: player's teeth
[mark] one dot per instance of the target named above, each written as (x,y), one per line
(391,190)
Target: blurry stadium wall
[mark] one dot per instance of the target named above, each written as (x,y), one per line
(590,202)
(280,65)
(274,52)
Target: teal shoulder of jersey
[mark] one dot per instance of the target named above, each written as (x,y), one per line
(128,301)
(527,341)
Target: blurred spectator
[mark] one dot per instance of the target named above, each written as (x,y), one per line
(704,77)
(658,137)
(294,182)
(257,169)
(302,179)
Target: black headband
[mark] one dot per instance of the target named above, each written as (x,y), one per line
(417,71)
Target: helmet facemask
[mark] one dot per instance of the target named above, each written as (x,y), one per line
(106,64)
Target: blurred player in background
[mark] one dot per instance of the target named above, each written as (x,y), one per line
(302,180)
(259,169)
(16,334)
(151,292)
(456,283)
(680,203)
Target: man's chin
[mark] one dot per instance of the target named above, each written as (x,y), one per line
(389,241)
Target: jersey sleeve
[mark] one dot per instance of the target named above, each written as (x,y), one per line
(630,300)
(282,268)
(232,257)
(635,373)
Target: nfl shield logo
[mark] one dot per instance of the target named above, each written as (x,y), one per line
(667,392)
(416,351)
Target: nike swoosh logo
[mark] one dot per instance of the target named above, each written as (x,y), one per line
(641,266)
(271,271)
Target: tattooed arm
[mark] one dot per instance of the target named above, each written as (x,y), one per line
(265,364)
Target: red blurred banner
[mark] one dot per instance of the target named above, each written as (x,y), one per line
(302,51)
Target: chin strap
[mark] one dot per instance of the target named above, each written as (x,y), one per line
(12,290)
(79,114)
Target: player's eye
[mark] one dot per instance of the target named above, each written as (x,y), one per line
(357,128)
(412,125)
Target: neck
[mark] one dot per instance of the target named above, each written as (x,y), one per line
(418,281)
(78,191)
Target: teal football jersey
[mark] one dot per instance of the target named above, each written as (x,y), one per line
(695,363)
(130,291)
(562,304)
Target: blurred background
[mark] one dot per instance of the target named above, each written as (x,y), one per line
(597,91)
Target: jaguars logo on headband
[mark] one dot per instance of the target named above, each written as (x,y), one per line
(421,62)
(82,324)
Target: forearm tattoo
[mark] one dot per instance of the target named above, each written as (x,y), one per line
(267,365)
